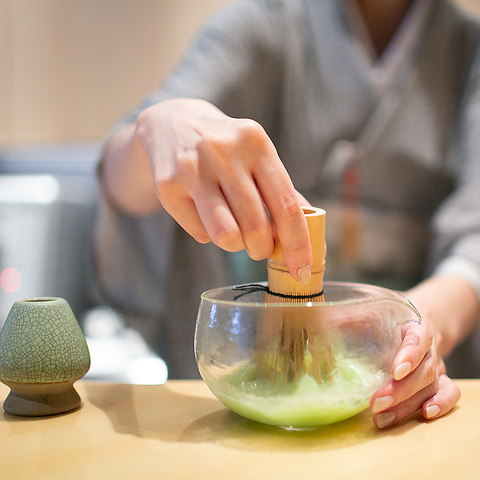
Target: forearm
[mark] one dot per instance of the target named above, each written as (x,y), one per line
(126,174)
(451,306)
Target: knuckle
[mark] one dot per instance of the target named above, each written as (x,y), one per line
(442,368)
(255,233)
(174,176)
(226,238)
(430,370)
(186,161)
(412,339)
(259,241)
(169,187)
(250,129)
(166,187)
(227,150)
(146,120)
(142,119)
(456,393)
(251,136)
(215,153)
(211,142)
(289,206)
(429,338)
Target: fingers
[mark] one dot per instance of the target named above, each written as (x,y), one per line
(292,231)
(255,179)
(240,176)
(247,207)
(232,230)
(398,399)
(221,177)
(419,382)
(285,206)
(435,400)
(417,339)
(185,213)
(396,413)
(443,401)
(226,195)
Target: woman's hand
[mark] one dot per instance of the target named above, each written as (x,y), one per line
(450,311)
(217,176)
(419,380)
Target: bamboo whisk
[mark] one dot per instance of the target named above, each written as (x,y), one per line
(287,334)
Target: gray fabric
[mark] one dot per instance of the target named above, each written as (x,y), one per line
(294,66)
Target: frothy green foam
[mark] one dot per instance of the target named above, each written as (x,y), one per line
(303,403)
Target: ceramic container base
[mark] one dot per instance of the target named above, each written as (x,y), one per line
(38,399)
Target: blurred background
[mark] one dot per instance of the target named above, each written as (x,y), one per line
(68,70)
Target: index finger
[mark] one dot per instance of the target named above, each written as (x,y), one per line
(416,342)
(283,203)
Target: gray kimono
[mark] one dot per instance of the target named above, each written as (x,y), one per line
(297,67)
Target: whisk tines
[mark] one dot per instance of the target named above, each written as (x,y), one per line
(291,343)
(291,340)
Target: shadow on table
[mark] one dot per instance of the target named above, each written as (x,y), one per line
(158,412)
(230,430)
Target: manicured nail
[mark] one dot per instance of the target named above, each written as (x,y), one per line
(304,275)
(385,419)
(433,411)
(382,403)
(402,370)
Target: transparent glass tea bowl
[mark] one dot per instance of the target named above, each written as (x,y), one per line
(348,344)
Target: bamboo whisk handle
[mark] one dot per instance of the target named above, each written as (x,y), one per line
(279,278)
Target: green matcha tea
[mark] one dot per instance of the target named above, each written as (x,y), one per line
(303,403)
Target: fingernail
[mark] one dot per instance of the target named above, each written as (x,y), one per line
(385,419)
(432,411)
(304,275)
(402,370)
(382,403)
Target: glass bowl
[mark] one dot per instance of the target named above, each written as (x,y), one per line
(299,364)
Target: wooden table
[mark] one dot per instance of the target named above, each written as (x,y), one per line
(180,431)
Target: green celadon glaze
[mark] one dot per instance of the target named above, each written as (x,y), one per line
(42,342)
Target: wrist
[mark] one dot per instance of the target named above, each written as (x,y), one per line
(125,174)
(449,306)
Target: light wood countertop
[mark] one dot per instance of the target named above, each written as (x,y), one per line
(180,431)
